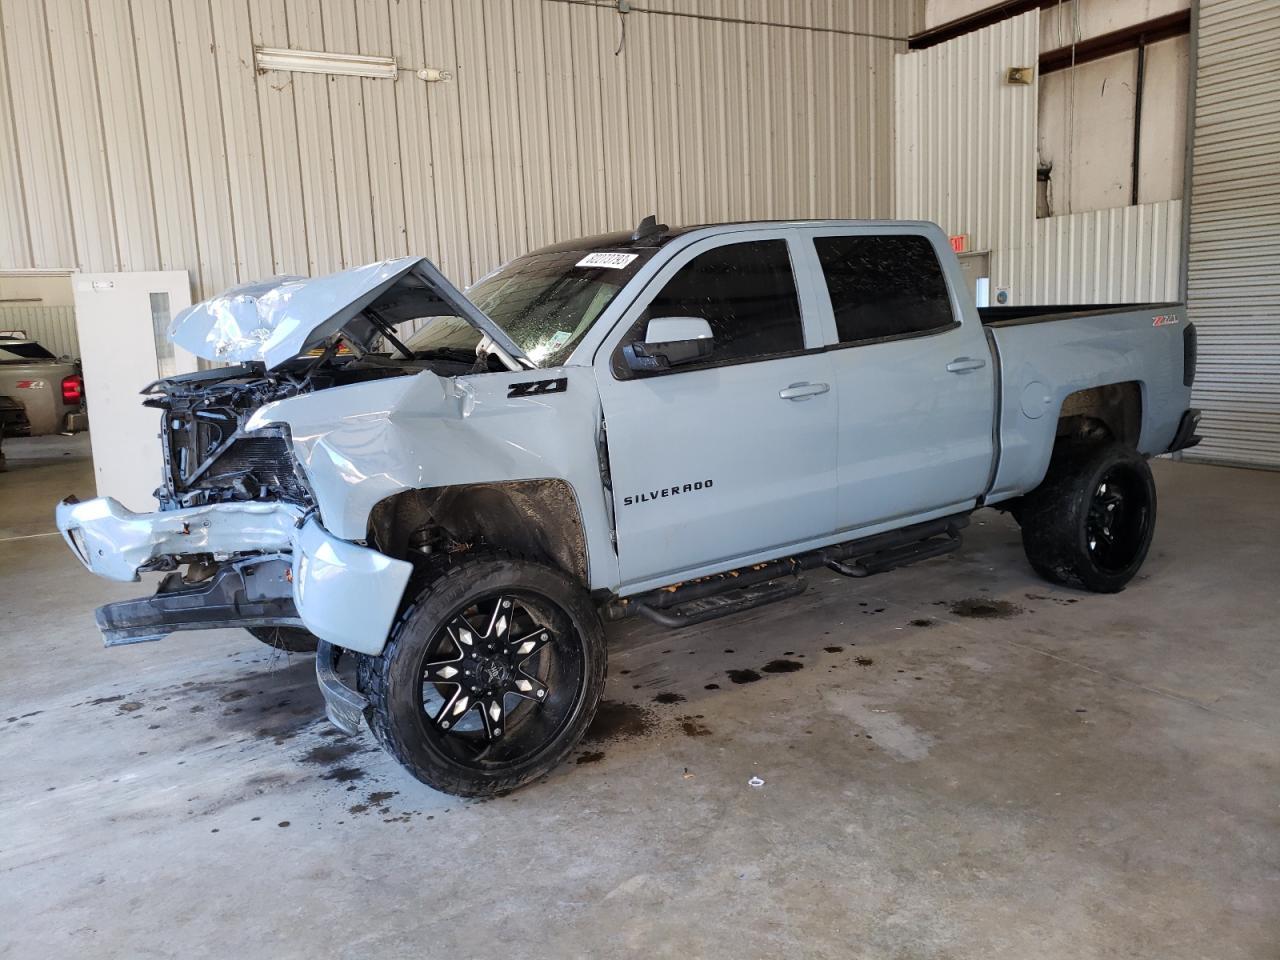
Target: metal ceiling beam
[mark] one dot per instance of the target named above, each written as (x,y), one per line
(1117,41)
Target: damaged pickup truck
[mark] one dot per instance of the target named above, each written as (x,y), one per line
(447,494)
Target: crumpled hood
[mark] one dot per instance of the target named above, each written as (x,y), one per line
(272,321)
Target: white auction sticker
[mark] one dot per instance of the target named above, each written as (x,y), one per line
(614,261)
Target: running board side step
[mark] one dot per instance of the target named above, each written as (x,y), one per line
(713,606)
(890,559)
(722,594)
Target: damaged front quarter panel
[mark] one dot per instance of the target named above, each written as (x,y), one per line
(346,594)
(362,443)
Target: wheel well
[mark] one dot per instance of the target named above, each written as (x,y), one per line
(1101,414)
(538,519)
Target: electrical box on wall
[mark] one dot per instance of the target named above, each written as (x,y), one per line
(1020,75)
(1003,298)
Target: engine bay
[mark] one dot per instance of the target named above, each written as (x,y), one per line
(209,457)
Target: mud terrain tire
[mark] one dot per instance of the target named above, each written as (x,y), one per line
(569,665)
(1089,524)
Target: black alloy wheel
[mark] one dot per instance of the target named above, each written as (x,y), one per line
(1089,524)
(1118,519)
(499,679)
(489,678)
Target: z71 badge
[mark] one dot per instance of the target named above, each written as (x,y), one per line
(536,388)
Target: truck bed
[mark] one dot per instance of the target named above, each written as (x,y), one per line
(1014,316)
(1041,362)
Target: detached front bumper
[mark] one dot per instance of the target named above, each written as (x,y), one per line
(345,594)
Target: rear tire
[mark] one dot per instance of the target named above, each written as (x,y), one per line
(489,679)
(1089,524)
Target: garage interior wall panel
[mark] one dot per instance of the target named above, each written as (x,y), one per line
(138,135)
(965,157)
(54,328)
(965,143)
(71,55)
(277,111)
(1120,255)
(15,237)
(31,113)
(1233,264)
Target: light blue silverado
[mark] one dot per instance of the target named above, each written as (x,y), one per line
(453,490)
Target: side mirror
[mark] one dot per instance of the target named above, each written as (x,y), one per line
(669,342)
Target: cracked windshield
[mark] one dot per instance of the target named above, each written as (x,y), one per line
(544,301)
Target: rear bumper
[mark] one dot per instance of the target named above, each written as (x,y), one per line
(1186,435)
(345,594)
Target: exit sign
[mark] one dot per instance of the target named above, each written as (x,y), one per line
(960,242)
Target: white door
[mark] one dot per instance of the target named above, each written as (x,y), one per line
(720,461)
(123,320)
(913,373)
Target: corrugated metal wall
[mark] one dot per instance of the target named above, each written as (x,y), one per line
(966,157)
(136,134)
(965,143)
(1233,263)
(54,328)
(1120,255)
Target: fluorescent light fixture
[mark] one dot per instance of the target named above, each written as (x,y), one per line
(314,61)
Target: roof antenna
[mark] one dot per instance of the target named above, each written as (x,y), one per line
(649,227)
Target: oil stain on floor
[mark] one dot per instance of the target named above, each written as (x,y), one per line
(982,608)
(619,721)
(782,666)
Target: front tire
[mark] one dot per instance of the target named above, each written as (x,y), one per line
(489,679)
(1089,524)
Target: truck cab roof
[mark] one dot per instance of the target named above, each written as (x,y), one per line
(660,235)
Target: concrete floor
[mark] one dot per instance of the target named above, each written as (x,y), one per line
(1066,775)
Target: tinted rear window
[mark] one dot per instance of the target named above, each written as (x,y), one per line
(883,287)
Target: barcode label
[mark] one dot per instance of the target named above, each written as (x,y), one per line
(614,261)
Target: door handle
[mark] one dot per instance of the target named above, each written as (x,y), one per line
(965,364)
(803,391)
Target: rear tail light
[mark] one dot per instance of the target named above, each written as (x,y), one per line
(1189,354)
(72,388)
